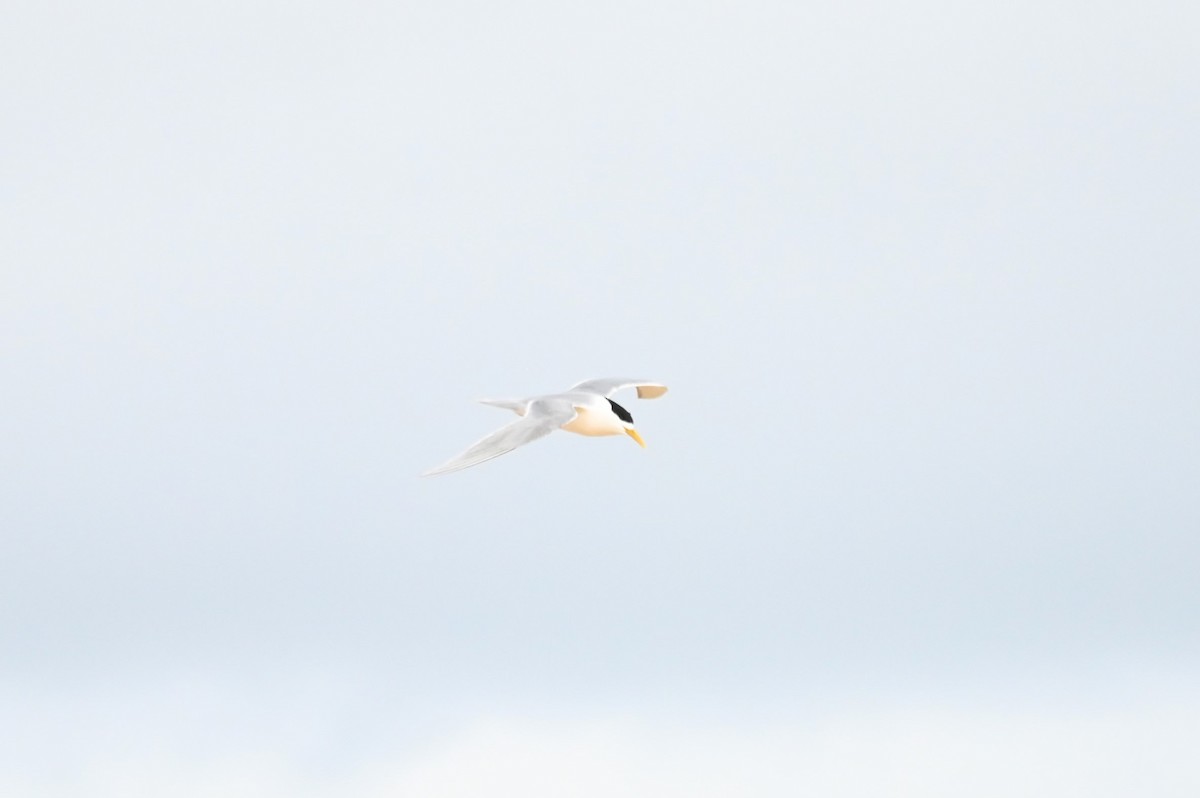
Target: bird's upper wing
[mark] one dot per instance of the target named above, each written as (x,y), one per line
(543,417)
(607,386)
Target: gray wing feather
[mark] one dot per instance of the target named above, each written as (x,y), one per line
(607,386)
(542,418)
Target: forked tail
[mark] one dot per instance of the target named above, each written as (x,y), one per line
(516,405)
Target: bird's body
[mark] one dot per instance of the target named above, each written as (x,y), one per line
(585,409)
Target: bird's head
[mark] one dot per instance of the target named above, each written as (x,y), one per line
(627,422)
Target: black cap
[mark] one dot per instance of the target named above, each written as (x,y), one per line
(621,412)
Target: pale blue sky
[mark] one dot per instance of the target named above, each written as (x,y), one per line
(918,515)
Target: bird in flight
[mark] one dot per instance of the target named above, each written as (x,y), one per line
(584,409)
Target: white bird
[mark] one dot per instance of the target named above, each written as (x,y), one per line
(585,409)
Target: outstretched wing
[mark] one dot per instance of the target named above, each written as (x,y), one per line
(543,417)
(607,386)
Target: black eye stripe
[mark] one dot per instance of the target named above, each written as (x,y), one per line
(621,412)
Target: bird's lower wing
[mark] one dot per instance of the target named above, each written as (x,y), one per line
(607,386)
(542,418)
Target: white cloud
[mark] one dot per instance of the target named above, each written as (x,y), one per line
(895,752)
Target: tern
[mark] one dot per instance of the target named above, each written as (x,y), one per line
(584,409)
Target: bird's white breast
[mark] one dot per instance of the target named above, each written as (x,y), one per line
(590,421)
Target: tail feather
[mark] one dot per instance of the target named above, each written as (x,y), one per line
(516,405)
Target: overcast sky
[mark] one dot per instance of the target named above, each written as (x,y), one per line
(919,515)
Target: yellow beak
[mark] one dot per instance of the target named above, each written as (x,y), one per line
(631,432)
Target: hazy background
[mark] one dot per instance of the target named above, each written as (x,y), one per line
(919,515)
